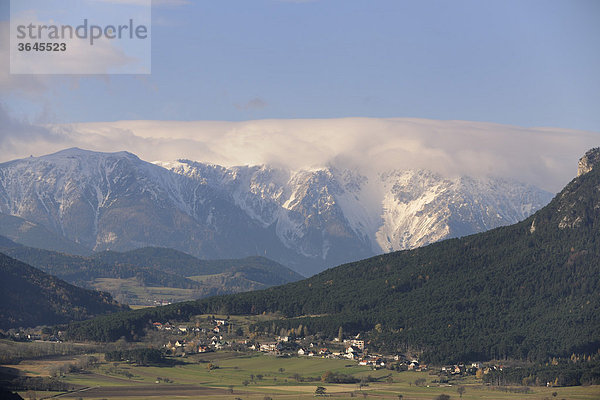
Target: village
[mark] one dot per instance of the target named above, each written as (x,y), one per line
(212,334)
(221,334)
(246,354)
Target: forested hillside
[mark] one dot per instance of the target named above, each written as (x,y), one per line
(525,291)
(155,267)
(29,297)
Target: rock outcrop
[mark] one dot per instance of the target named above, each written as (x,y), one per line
(588,161)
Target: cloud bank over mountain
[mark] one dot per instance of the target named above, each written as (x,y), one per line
(540,156)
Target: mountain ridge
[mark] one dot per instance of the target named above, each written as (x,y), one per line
(308,219)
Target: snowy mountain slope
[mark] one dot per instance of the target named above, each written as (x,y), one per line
(301,208)
(420,207)
(307,219)
(31,234)
(391,211)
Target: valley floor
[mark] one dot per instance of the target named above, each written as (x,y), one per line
(230,375)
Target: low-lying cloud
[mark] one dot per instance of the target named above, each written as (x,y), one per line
(545,157)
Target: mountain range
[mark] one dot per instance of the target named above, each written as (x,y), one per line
(527,291)
(308,220)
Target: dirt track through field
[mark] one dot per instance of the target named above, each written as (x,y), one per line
(147,391)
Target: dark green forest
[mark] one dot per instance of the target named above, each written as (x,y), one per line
(526,291)
(30,297)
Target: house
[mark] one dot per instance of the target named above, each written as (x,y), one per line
(266,347)
(324,351)
(182,328)
(301,352)
(352,349)
(360,344)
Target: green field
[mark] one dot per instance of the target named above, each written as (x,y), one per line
(137,294)
(256,376)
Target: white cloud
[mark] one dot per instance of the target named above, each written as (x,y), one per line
(546,157)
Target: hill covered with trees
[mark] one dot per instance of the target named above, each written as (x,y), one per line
(527,291)
(30,297)
(156,267)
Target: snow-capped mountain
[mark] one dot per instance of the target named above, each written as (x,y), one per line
(420,207)
(306,219)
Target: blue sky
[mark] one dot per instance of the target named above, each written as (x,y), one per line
(526,63)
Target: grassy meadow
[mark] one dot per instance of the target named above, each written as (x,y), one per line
(228,375)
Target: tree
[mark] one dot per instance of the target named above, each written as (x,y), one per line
(305,332)
(363,383)
(320,391)
(420,381)
(340,334)
(461,390)
(443,397)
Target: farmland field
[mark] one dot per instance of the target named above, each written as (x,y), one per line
(228,375)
